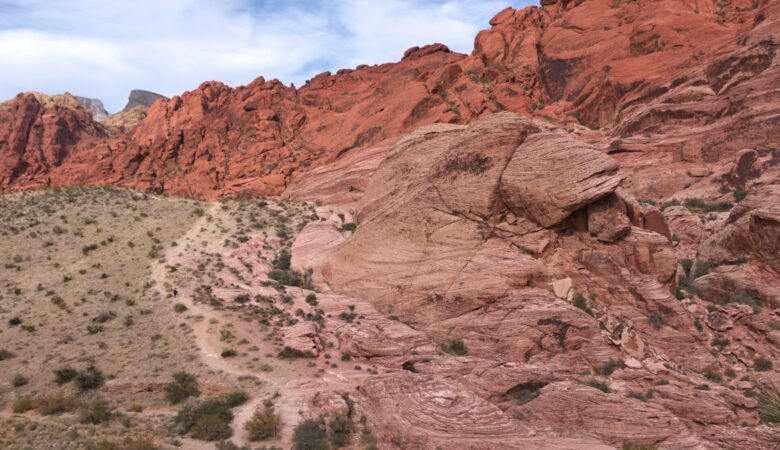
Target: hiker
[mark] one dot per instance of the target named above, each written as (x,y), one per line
(175,292)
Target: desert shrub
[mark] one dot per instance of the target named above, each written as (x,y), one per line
(22,404)
(209,420)
(64,375)
(579,302)
(228,353)
(610,366)
(739,194)
(310,435)
(210,428)
(769,405)
(598,385)
(242,298)
(720,342)
(686,264)
(641,396)
(183,386)
(19,380)
(90,378)
(95,412)
(127,444)
(713,376)
(455,347)
(48,405)
(349,227)
(311,299)
(263,425)
(235,398)
(762,364)
(655,320)
(341,429)
(179,308)
(293,353)
(5,354)
(282,260)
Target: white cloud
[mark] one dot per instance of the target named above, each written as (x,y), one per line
(103,49)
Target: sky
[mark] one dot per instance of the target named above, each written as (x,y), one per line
(104,48)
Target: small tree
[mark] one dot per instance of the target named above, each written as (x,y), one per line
(264,424)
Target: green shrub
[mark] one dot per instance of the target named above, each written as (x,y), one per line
(54,404)
(210,428)
(64,375)
(769,405)
(762,364)
(228,353)
(610,366)
(91,378)
(263,425)
(22,404)
(598,385)
(293,353)
(310,435)
(720,342)
(455,347)
(19,380)
(641,396)
(179,308)
(5,354)
(209,420)
(713,376)
(183,386)
(349,227)
(235,398)
(580,302)
(341,429)
(655,320)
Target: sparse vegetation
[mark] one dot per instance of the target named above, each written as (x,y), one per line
(183,386)
(769,405)
(310,435)
(264,424)
(610,366)
(455,347)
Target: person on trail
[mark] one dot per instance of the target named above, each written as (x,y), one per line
(175,292)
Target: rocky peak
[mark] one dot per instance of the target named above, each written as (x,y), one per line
(95,106)
(140,97)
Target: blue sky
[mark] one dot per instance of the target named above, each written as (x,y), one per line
(105,48)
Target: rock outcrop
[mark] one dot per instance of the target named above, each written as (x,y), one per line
(568,314)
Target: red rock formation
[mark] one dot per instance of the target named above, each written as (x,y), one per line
(683,70)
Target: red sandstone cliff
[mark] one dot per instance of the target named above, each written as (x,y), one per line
(695,72)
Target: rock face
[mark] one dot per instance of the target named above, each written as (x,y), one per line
(512,245)
(689,75)
(95,106)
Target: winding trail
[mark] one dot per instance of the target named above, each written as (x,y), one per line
(208,348)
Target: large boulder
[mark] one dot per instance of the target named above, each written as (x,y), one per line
(552,175)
